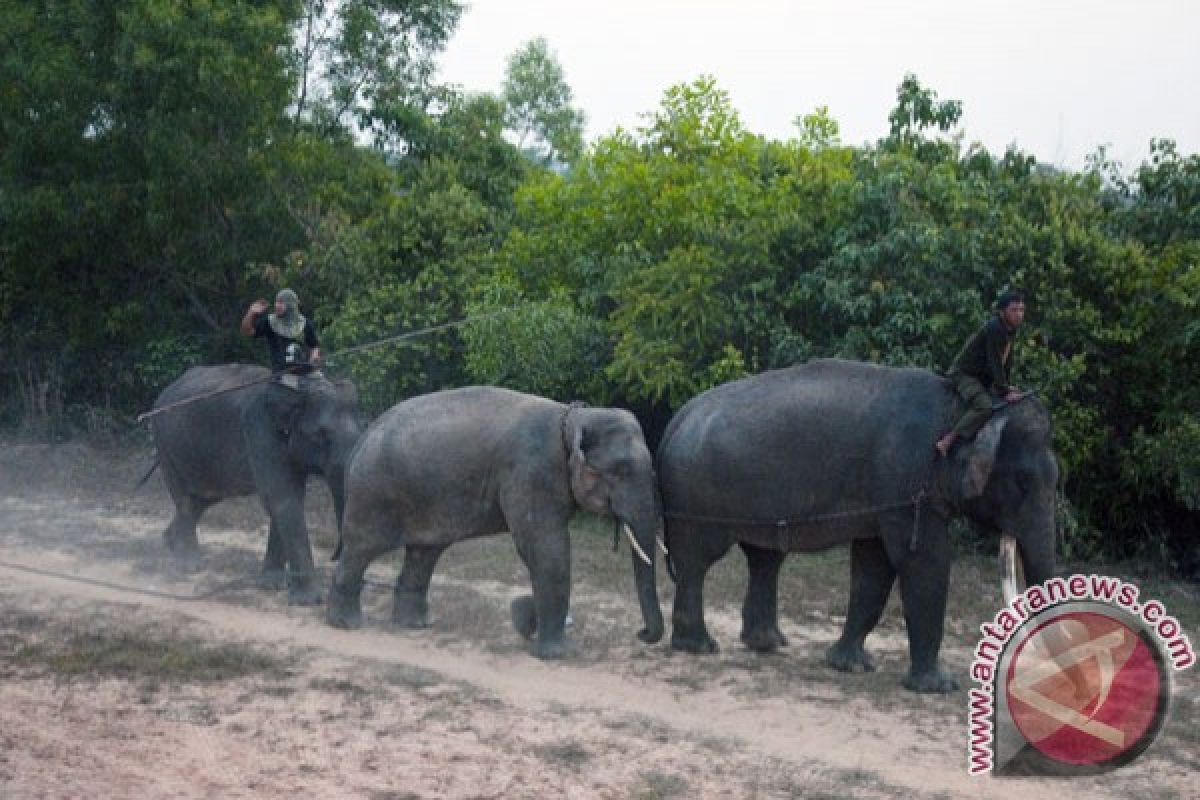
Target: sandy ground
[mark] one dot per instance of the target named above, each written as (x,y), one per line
(457,711)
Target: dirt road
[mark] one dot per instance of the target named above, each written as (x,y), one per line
(459,710)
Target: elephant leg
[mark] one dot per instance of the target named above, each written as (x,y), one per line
(344,609)
(871,579)
(411,606)
(180,535)
(281,488)
(760,610)
(287,517)
(273,575)
(547,554)
(924,582)
(693,551)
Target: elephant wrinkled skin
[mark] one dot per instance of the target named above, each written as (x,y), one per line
(812,442)
(234,444)
(462,463)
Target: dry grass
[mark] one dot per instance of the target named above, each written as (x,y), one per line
(33,643)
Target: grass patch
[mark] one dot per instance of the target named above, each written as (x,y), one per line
(139,655)
(821,783)
(660,785)
(569,754)
(409,677)
(338,686)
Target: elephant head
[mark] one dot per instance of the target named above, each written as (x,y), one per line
(1005,480)
(326,429)
(611,473)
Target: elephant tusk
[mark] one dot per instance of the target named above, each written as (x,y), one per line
(662,545)
(636,547)
(1012,581)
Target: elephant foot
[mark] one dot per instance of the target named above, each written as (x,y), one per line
(524,616)
(764,640)
(650,636)
(410,615)
(552,650)
(184,549)
(272,579)
(305,596)
(932,682)
(702,644)
(849,658)
(343,613)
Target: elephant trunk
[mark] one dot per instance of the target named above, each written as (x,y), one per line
(336,478)
(337,487)
(642,537)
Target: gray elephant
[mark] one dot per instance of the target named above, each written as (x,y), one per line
(264,439)
(834,452)
(462,463)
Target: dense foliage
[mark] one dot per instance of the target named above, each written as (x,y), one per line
(162,164)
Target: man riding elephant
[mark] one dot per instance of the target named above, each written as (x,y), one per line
(290,336)
(982,371)
(294,349)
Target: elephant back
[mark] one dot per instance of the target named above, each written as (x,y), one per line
(198,434)
(818,442)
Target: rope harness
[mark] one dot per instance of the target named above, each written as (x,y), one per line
(566,442)
(305,368)
(783,533)
(283,376)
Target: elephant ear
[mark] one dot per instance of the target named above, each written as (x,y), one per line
(980,456)
(586,483)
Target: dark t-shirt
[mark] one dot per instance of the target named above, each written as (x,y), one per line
(988,356)
(278,345)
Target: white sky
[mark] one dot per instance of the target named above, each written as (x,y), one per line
(1057,77)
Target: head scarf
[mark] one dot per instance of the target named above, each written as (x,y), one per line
(289,324)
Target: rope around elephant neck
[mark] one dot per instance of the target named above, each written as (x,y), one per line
(783,524)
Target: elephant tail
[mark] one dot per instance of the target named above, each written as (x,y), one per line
(149,472)
(337,548)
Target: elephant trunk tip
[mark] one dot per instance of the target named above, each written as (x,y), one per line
(651,635)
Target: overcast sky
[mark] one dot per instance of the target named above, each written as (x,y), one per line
(1057,77)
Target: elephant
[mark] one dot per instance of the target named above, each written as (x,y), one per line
(264,439)
(832,452)
(481,460)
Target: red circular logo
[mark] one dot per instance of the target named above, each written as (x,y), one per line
(1086,688)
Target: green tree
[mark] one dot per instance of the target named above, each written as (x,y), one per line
(132,161)
(368,64)
(161,163)
(414,258)
(539,108)
(671,239)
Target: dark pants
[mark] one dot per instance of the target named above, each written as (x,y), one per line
(979,404)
